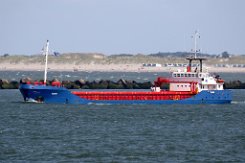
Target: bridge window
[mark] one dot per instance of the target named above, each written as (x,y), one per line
(178,75)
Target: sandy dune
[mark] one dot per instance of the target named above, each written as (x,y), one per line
(104,68)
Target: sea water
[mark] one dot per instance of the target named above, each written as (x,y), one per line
(121,133)
(95,75)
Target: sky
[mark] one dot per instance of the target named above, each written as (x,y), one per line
(121,26)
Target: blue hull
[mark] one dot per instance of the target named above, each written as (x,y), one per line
(60,95)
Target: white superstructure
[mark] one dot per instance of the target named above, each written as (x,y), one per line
(191,79)
(181,81)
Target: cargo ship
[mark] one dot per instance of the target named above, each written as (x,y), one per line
(191,86)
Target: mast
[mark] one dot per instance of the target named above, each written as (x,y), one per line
(195,50)
(45,51)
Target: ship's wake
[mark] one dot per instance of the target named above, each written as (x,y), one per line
(237,102)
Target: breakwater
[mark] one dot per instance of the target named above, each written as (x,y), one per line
(102,84)
(81,84)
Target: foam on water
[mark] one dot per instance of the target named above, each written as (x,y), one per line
(237,102)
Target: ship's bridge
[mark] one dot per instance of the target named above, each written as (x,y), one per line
(180,74)
(205,80)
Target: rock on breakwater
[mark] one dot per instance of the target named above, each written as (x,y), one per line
(101,84)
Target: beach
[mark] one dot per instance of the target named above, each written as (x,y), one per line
(106,68)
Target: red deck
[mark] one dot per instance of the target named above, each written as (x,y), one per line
(163,95)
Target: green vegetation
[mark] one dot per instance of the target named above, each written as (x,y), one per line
(97,58)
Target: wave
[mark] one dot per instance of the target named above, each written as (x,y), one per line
(238,102)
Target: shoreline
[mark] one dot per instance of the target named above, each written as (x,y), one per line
(107,68)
